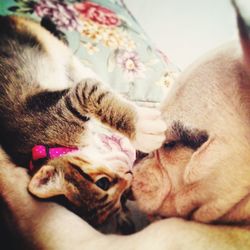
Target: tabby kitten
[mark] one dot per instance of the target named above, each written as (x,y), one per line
(46,98)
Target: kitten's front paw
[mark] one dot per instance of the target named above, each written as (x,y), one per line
(150,130)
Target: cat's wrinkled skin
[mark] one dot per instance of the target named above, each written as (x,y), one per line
(201,173)
(47,97)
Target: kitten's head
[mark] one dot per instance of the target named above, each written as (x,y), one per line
(95,189)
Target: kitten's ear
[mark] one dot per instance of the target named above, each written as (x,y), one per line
(47,182)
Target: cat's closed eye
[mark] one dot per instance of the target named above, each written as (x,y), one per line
(169,145)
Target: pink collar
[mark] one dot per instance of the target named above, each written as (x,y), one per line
(42,153)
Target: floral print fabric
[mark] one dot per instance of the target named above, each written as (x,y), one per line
(107,39)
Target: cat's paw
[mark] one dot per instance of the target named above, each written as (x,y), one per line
(150,130)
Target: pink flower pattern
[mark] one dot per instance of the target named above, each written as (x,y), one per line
(104,29)
(97,13)
(62,14)
(98,25)
(130,64)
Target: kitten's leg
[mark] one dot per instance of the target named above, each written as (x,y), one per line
(143,126)
(148,132)
(65,119)
(61,117)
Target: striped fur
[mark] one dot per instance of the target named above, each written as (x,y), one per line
(43,100)
(46,98)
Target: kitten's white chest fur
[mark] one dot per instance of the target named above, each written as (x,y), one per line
(55,71)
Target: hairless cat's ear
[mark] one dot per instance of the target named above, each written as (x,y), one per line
(47,182)
(242,8)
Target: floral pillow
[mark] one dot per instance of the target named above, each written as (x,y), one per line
(107,38)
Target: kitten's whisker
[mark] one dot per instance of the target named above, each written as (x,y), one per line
(107,213)
(108,206)
(97,210)
(116,210)
(104,205)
